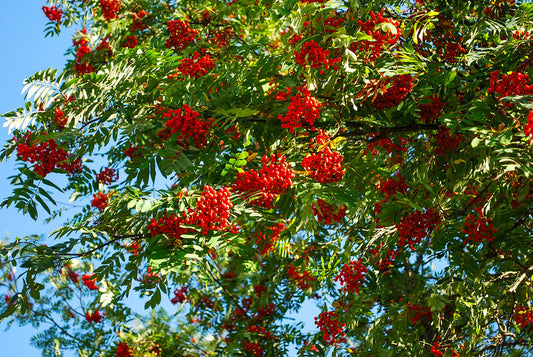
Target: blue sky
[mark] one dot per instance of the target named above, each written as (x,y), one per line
(24,51)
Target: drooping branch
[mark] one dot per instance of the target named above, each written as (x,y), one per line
(357,130)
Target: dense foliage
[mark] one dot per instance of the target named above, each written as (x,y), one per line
(244,157)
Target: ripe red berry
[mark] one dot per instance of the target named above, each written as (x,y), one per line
(396,92)
(181,35)
(196,66)
(187,123)
(99,200)
(212,209)
(46,156)
(514,83)
(304,280)
(416,226)
(332,328)
(327,214)
(89,280)
(171,226)
(382,36)
(303,111)
(96,316)
(431,111)
(478,228)
(352,276)
(107,176)
(123,350)
(274,178)
(324,166)
(109,8)
(522,316)
(314,56)
(130,42)
(53,13)
(529,127)
(179,295)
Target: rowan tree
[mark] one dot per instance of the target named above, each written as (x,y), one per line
(243,157)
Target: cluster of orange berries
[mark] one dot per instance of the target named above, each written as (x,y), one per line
(47,156)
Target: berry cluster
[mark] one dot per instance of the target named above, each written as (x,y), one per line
(331,24)
(514,83)
(53,13)
(265,311)
(133,247)
(104,50)
(212,209)
(60,119)
(415,226)
(303,280)
(81,64)
(327,214)
(352,276)
(205,303)
(73,276)
(94,317)
(138,24)
(131,151)
(529,127)
(130,42)
(180,34)
(233,130)
(522,316)
(314,56)
(106,176)
(397,91)
(374,27)
(150,277)
(449,47)
(206,17)
(415,313)
(221,37)
(388,145)
(295,38)
(47,156)
(478,229)
(276,173)
(273,179)
(333,329)
(253,348)
(123,350)
(324,166)
(392,186)
(383,263)
(266,244)
(197,66)
(89,281)
(109,9)
(478,198)
(170,226)
(262,332)
(521,35)
(435,349)
(431,111)
(99,200)
(446,143)
(179,295)
(303,110)
(322,138)
(187,123)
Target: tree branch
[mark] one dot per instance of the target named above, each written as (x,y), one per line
(385,131)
